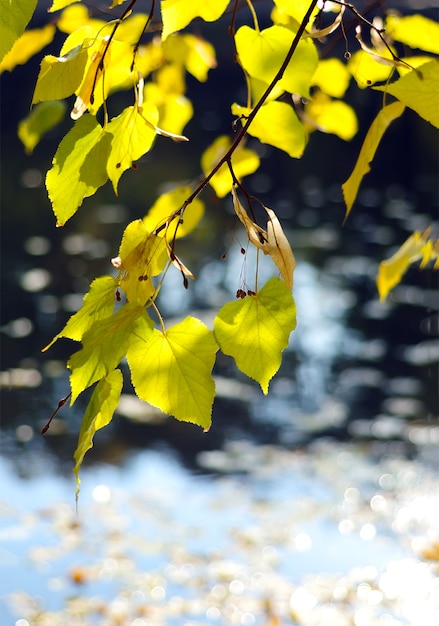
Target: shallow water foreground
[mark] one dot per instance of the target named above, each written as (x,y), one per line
(335,534)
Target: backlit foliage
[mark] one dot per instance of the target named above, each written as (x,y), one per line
(148,49)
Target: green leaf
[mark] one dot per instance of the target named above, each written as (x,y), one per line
(277,124)
(40,120)
(176,14)
(79,167)
(173,370)
(31,42)
(419,90)
(132,135)
(105,344)
(98,304)
(15,16)
(262,53)
(99,413)
(370,145)
(256,329)
(416,31)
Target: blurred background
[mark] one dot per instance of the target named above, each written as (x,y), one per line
(358,379)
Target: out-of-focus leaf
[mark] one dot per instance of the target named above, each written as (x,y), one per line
(416,31)
(31,42)
(276,124)
(371,142)
(332,76)
(166,205)
(332,116)
(177,14)
(417,247)
(244,162)
(43,117)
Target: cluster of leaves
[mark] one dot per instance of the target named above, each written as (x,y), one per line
(291,93)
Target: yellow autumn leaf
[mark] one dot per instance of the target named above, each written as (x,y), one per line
(365,69)
(332,116)
(165,207)
(43,117)
(416,31)
(244,162)
(57,5)
(276,124)
(172,370)
(141,256)
(371,142)
(417,247)
(31,42)
(195,54)
(332,76)
(419,90)
(177,14)
(132,134)
(295,9)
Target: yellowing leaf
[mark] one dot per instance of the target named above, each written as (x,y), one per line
(416,31)
(332,116)
(31,42)
(365,69)
(41,119)
(295,9)
(176,14)
(57,5)
(165,207)
(77,16)
(141,256)
(277,124)
(15,16)
(98,414)
(194,53)
(417,246)
(332,76)
(105,344)
(272,241)
(132,136)
(98,304)
(371,142)
(261,54)
(78,167)
(173,370)
(256,329)
(244,162)
(419,90)
(59,77)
